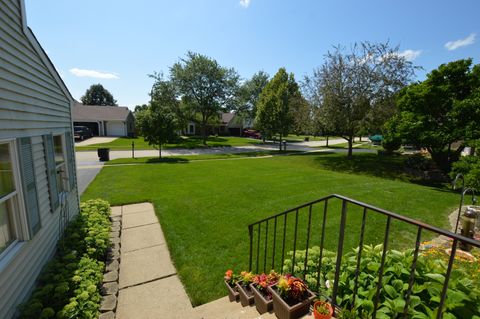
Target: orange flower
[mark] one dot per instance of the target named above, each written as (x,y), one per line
(228,275)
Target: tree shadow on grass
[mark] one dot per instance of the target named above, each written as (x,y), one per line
(383,166)
(390,167)
(168,160)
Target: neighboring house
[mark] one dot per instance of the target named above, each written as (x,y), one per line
(104,120)
(226,124)
(38,189)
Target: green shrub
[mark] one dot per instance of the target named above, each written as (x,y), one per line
(463,296)
(469,167)
(391,143)
(69,285)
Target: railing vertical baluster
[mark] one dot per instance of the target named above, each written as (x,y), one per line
(447,278)
(308,241)
(325,207)
(412,272)
(258,246)
(341,236)
(295,242)
(359,255)
(380,271)
(283,245)
(274,242)
(250,234)
(266,244)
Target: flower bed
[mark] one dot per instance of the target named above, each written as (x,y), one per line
(69,285)
(463,296)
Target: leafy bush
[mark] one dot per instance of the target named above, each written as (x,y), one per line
(463,297)
(391,144)
(469,167)
(69,285)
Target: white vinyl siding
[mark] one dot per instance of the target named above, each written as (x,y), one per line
(30,98)
(32,104)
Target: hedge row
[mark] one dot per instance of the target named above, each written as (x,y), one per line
(69,285)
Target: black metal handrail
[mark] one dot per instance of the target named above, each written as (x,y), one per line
(281,219)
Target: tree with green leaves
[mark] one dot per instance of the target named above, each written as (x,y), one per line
(302,116)
(159,121)
(249,94)
(206,87)
(274,112)
(354,89)
(98,95)
(440,111)
(157,125)
(165,93)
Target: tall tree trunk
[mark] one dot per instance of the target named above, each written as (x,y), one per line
(160,151)
(350,147)
(204,133)
(280,143)
(327,142)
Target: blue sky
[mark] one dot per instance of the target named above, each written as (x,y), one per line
(118,43)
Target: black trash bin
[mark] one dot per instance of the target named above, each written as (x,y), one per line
(103,154)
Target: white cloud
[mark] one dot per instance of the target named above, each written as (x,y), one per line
(453,45)
(245,3)
(410,55)
(93,74)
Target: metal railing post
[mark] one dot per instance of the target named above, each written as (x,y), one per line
(339,253)
(250,234)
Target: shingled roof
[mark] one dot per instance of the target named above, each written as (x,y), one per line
(84,113)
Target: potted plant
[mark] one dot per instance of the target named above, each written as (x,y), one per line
(291,297)
(230,282)
(261,295)
(244,289)
(322,310)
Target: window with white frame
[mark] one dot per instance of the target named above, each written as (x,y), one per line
(9,190)
(60,162)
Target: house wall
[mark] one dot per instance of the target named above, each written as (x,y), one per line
(32,103)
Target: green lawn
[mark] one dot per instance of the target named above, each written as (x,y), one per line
(204,207)
(125,143)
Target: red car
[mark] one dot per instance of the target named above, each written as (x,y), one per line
(252,134)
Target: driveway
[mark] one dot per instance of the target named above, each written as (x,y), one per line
(88,166)
(96,140)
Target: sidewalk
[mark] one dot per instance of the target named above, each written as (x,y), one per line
(148,283)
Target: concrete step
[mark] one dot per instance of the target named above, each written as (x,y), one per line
(224,309)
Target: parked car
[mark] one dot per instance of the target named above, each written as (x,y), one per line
(82,132)
(252,134)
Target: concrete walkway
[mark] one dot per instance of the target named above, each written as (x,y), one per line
(148,283)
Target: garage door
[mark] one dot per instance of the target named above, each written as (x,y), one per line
(115,129)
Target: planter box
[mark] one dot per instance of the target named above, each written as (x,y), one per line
(263,305)
(246,294)
(232,292)
(285,311)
